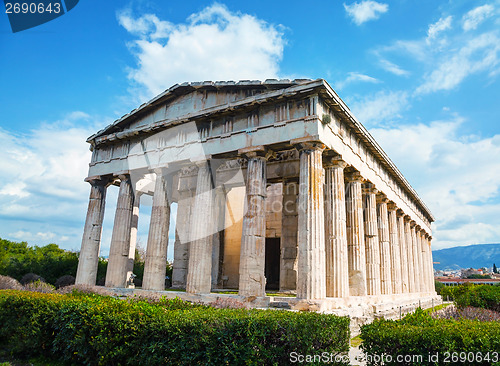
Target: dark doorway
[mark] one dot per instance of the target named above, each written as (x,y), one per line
(272,269)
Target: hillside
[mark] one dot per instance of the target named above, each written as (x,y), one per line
(475,256)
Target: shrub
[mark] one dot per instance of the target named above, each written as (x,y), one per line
(9,283)
(39,286)
(96,330)
(31,277)
(64,281)
(420,334)
(469,312)
(483,296)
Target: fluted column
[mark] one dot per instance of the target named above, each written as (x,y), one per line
(218,241)
(422,270)
(431,263)
(355,235)
(415,256)
(403,252)
(88,260)
(385,247)
(409,254)
(202,228)
(311,282)
(253,237)
(372,244)
(186,191)
(425,261)
(394,248)
(133,238)
(289,225)
(337,275)
(116,275)
(156,252)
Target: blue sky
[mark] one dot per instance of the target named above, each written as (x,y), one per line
(423,77)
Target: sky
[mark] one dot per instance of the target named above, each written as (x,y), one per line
(421,76)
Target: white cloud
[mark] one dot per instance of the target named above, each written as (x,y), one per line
(214,44)
(43,196)
(365,10)
(479,54)
(457,176)
(380,107)
(393,68)
(441,25)
(476,16)
(353,77)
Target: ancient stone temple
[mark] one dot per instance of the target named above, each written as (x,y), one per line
(276,186)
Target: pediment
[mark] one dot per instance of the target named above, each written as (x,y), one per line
(184,100)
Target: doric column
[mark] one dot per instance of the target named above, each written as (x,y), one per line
(202,228)
(186,190)
(311,282)
(133,238)
(253,237)
(432,287)
(337,272)
(415,256)
(91,240)
(116,275)
(409,254)
(156,252)
(372,244)
(403,252)
(395,250)
(425,261)
(355,235)
(289,224)
(385,247)
(218,240)
(422,270)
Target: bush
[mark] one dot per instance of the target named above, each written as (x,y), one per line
(469,312)
(420,334)
(439,286)
(97,330)
(9,283)
(482,296)
(64,281)
(39,286)
(31,277)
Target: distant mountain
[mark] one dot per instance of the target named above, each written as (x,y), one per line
(475,256)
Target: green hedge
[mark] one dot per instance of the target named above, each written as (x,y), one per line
(420,334)
(479,296)
(92,329)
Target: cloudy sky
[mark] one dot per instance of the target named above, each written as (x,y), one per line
(423,77)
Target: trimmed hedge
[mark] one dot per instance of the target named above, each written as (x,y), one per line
(420,334)
(98,330)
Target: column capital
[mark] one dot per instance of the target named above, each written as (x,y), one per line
(391,206)
(256,152)
(333,160)
(99,180)
(308,145)
(417,228)
(382,198)
(369,188)
(354,176)
(407,218)
(413,224)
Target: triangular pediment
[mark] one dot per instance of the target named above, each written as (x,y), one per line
(184,100)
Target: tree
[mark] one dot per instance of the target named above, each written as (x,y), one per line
(495,269)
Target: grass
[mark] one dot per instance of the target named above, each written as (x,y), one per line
(436,308)
(356,341)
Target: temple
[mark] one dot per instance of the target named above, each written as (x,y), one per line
(277,186)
